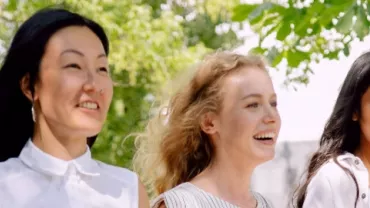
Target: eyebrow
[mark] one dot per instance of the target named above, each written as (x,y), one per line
(256,96)
(80,53)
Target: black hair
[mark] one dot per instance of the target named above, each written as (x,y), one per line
(23,58)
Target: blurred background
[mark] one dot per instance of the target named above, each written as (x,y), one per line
(310,45)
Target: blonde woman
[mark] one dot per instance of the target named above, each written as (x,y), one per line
(219,127)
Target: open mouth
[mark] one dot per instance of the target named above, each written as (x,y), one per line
(265,136)
(88,105)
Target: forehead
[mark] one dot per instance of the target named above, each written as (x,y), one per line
(76,37)
(249,80)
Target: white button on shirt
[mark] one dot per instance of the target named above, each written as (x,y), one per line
(39,180)
(332,187)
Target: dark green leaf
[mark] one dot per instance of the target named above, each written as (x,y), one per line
(332,55)
(316,28)
(346,50)
(283,31)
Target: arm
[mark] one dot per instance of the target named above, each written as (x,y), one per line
(143,196)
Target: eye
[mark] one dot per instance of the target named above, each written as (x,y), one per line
(103,69)
(73,65)
(253,105)
(274,104)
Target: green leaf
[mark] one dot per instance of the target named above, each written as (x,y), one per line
(277,59)
(362,25)
(316,29)
(346,50)
(332,55)
(12,5)
(332,11)
(295,57)
(256,20)
(283,31)
(241,12)
(345,23)
(259,10)
(315,8)
(257,50)
(272,53)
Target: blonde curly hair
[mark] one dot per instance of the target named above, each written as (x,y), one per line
(173,149)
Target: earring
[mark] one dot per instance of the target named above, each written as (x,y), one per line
(354,118)
(33,113)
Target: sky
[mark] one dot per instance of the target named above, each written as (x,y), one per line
(304,112)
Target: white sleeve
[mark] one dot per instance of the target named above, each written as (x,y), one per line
(319,193)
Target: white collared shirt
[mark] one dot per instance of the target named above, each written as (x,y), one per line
(38,180)
(332,187)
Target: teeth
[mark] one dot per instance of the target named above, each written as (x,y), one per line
(265,135)
(89,105)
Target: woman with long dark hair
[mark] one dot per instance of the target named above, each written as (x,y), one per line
(55,92)
(338,172)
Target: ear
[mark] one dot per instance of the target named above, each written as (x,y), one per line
(208,123)
(24,84)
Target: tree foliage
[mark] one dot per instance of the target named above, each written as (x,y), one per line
(305,31)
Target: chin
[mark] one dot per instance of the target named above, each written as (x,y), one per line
(265,156)
(89,130)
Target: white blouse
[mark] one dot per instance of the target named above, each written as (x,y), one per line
(38,180)
(333,187)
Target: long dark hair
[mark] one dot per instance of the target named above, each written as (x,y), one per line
(341,134)
(24,57)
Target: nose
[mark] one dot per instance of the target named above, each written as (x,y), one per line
(271,114)
(90,83)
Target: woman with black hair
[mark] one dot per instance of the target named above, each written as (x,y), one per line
(338,172)
(55,92)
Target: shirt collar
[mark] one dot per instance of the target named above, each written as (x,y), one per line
(36,159)
(351,160)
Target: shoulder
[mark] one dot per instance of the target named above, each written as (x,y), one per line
(120,174)
(333,174)
(180,196)
(11,169)
(332,186)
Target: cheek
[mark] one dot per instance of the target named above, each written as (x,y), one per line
(59,89)
(365,121)
(239,124)
(108,91)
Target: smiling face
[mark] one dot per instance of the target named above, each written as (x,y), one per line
(249,123)
(74,89)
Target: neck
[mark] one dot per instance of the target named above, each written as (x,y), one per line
(364,153)
(57,144)
(229,180)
